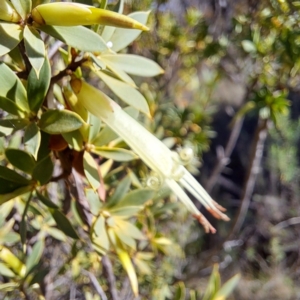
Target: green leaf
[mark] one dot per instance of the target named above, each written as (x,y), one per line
(35,256)
(123,37)
(35,48)
(74,139)
(78,37)
(37,86)
(125,239)
(20,159)
(136,198)
(91,170)
(128,267)
(117,71)
(120,192)
(129,229)
(32,139)
(23,7)
(17,192)
(43,170)
(12,176)
(117,154)
(126,211)
(94,201)
(180,291)
(227,288)
(11,107)
(95,125)
(10,36)
(64,224)
(46,201)
(60,121)
(134,64)
(5,271)
(126,93)
(8,287)
(16,123)
(12,88)
(100,231)
(105,136)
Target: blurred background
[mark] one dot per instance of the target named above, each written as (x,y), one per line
(231,88)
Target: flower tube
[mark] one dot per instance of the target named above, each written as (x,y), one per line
(151,150)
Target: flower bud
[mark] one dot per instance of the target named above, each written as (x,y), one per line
(73,14)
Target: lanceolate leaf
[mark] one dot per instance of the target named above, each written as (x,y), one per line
(32,139)
(64,224)
(128,266)
(12,176)
(60,121)
(46,201)
(126,92)
(122,37)
(136,197)
(23,7)
(16,123)
(117,154)
(17,192)
(78,37)
(11,107)
(43,170)
(134,64)
(20,159)
(91,170)
(35,255)
(35,48)
(37,86)
(12,88)
(10,36)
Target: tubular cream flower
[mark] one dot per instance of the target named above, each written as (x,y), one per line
(151,150)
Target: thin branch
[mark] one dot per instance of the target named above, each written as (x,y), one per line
(253,170)
(68,70)
(222,161)
(286,223)
(110,277)
(97,286)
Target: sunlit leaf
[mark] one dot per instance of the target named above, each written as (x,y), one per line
(32,139)
(128,267)
(117,154)
(122,38)
(100,231)
(35,256)
(120,192)
(135,64)
(60,121)
(23,7)
(126,93)
(137,198)
(227,288)
(12,88)
(10,35)
(35,48)
(91,170)
(78,37)
(37,86)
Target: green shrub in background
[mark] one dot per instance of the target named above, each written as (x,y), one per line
(74,199)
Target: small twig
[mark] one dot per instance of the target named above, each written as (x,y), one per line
(222,161)
(68,70)
(286,223)
(255,161)
(110,277)
(97,286)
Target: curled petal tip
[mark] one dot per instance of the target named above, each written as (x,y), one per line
(204,222)
(219,207)
(218,214)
